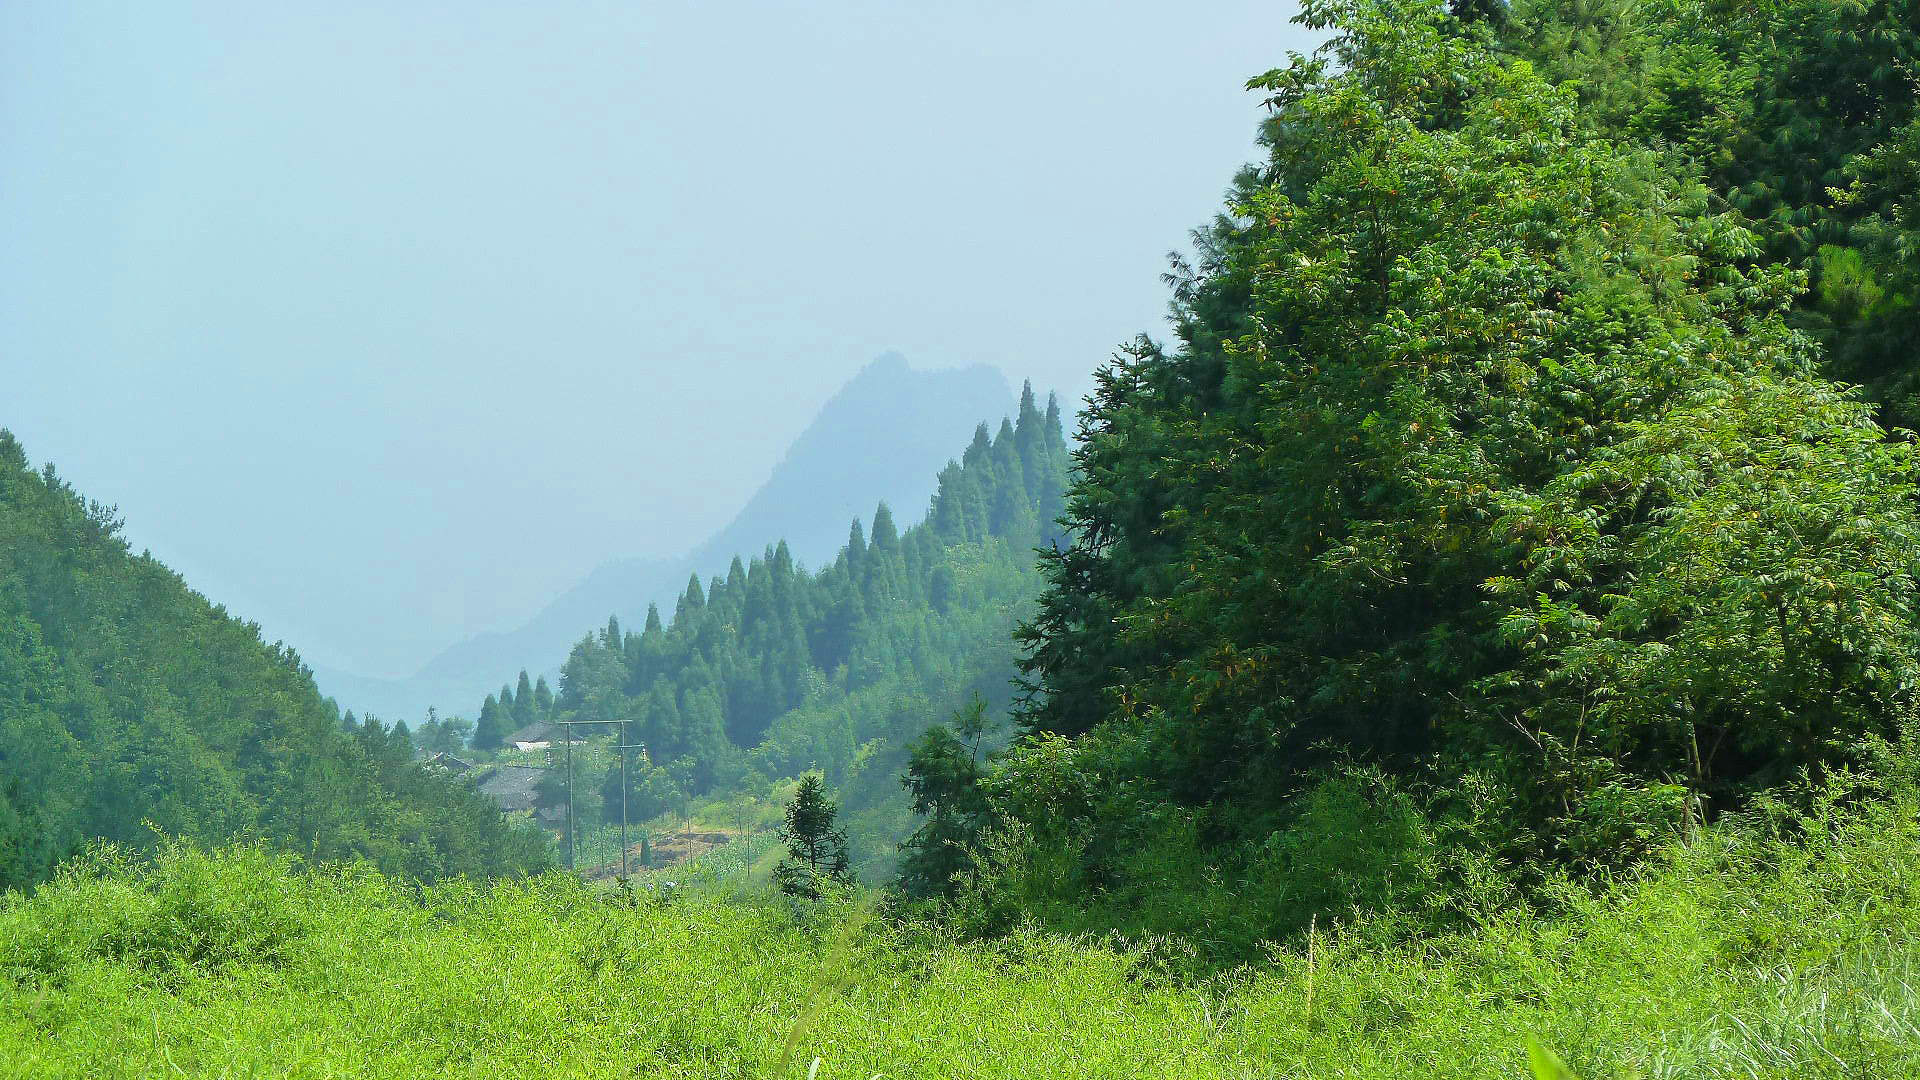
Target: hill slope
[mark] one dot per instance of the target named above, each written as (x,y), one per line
(771,671)
(883,437)
(131,706)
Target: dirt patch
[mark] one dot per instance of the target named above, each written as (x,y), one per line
(668,849)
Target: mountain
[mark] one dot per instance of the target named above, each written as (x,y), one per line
(885,435)
(775,671)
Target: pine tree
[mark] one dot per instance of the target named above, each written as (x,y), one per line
(1010,504)
(490,731)
(856,545)
(523,711)
(816,849)
(691,602)
(704,727)
(979,449)
(542,697)
(661,727)
(884,537)
(949,515)
(1030,442)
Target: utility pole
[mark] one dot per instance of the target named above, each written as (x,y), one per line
(568,726)
(624,747)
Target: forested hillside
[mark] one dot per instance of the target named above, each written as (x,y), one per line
(882,436)
(775,670)
(130,707)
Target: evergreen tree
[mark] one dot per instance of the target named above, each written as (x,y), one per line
(27,851)
(1011,502)
(490,730)
(1055,434)
(884,537)
(662,729)
(691,602)
(949,517)
(979,449)
(703,735)
(816,848)
(523,704)
(542,698)
(1030,443)
(941,588)
(856,545)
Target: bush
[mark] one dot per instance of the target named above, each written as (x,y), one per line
(178,908)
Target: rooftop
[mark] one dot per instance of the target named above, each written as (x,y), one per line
(514,788)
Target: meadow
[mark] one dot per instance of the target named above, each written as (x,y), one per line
(1742,953)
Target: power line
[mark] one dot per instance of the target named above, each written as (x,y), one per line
(568,725)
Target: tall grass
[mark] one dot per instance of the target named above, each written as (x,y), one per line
(1735,956)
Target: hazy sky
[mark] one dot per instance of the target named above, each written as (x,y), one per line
(383,322)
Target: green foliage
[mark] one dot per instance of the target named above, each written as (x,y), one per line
(177,910)
(652,790)
(775,671)
(1463,635)
(816,857)
(1489,459)
(443,735)
(131,708)
(943,776)
(1792,111)
(1738,955)
(491,729)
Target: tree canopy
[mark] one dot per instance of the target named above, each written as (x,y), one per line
(1497,451)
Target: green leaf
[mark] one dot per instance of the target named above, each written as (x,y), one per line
(1545,1064)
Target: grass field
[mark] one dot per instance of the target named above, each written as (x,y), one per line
(1737,957)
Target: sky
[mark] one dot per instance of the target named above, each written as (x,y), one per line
(383,322)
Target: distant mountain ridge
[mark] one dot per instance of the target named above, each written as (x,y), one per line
(883,437)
